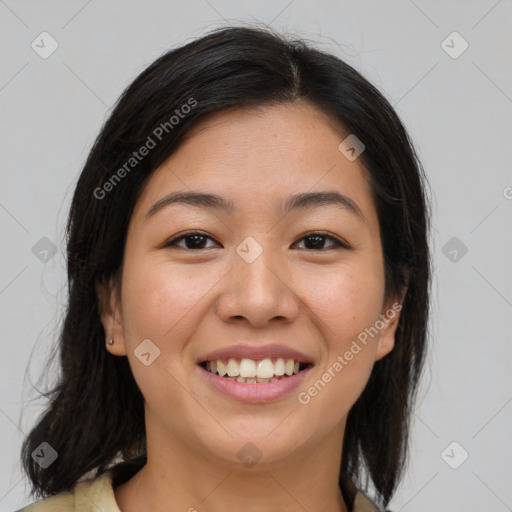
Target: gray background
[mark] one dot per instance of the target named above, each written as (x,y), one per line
(456,109)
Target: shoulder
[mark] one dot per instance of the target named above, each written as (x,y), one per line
(62,502)
(86,496)
(363,503)
(357,500)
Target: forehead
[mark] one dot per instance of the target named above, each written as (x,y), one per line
(299,120)
(259,155)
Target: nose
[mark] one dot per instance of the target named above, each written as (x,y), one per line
(258,292)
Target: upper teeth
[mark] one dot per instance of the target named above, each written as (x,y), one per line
(247,368)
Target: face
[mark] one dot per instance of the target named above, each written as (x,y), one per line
(258,284)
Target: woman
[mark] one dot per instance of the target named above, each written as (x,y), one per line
(248,291)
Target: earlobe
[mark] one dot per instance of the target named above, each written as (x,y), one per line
(389,324)
(110,314)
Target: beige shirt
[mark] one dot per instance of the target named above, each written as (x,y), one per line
(98,495)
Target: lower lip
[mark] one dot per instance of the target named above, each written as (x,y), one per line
(255,392)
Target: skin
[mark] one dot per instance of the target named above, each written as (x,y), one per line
(191,301)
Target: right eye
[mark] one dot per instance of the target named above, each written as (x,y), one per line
(194,240)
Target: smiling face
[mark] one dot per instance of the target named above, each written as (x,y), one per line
(267,278)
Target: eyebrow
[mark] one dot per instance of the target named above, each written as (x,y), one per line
(302,201)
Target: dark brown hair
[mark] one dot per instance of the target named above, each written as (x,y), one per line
(95,415)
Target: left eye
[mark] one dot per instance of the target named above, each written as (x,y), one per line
(197,240)
(318,239)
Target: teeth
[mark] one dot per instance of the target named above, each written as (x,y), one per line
(279,367)
(250,371)
(288,367)
(265,369)
(247,368)
(232,369)
(221,368)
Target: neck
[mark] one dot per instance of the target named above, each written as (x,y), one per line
(176,477)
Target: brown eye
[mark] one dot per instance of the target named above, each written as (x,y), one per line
(193,240)
(315,241)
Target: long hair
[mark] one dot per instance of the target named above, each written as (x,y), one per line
(95,415)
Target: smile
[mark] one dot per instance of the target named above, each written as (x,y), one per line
(250,371)
(246,385)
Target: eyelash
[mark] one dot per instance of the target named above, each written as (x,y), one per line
(337,242)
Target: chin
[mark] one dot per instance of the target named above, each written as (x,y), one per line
(260,443)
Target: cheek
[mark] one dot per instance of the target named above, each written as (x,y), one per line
(347,305)
(162,302)
(346,300)
(161,299)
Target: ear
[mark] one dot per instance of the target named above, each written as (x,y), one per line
(389,317)
(110,313)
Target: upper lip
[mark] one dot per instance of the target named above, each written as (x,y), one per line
(256,353)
